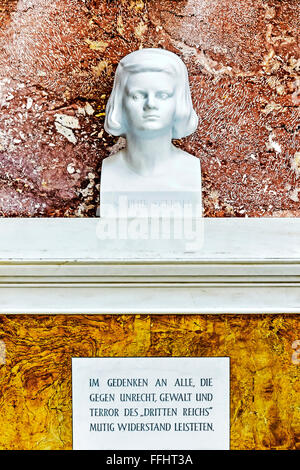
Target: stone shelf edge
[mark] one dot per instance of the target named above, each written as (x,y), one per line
(59,266)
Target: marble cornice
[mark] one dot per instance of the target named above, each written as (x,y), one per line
(60,266)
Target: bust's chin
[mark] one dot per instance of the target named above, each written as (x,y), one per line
(150,130)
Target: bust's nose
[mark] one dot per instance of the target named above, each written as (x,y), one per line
(150,102)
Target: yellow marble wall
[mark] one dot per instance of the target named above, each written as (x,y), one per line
(35,370)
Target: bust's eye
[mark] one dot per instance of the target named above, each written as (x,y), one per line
(137,96)
(163,95)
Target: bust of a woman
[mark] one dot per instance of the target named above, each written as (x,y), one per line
(150,105)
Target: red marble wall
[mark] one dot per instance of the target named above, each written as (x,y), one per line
(58,57)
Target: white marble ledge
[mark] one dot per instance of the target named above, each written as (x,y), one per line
(226,239)
(60,266)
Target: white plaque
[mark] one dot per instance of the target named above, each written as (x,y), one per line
(151,403)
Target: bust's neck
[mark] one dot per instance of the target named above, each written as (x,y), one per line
(148,157)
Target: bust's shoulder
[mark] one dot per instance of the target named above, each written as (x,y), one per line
(113,160)
(187,157)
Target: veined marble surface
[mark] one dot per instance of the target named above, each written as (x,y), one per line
(57,62)
(35,370)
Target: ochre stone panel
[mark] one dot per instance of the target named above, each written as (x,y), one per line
(59,57)
(35,370)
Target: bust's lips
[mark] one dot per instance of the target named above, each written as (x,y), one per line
(151,116)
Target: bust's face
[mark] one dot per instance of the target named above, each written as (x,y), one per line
(149,103)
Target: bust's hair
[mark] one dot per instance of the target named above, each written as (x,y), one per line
(154,60)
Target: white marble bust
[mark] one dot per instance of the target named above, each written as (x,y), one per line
(150,105)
